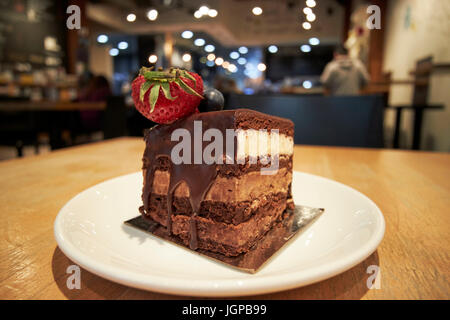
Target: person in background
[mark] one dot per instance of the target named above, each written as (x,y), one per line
(344,76)
(97,90)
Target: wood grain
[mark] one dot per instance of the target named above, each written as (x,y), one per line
(411,188)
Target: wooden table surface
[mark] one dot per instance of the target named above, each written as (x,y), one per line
(411,188)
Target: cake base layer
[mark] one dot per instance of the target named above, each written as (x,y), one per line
(225,238)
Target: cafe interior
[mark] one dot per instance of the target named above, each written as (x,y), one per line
(66,67)
(365,83)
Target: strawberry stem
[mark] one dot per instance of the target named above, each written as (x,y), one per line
(161,79)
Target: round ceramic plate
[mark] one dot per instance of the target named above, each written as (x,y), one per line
(89,229)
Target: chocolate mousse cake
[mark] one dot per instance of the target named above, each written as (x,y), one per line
(228,204)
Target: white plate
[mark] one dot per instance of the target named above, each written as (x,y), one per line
(89,229)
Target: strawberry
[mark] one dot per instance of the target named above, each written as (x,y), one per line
(165,96)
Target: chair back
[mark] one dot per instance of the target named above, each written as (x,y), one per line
(353,121)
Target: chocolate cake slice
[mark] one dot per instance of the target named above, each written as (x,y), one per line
(221,199)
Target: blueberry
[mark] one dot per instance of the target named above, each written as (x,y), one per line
(213,101)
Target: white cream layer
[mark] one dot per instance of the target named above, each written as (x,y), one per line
(260,143)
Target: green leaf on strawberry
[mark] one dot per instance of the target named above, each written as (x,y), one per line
(186,74)
(144,89)
(166,90)
(186,88)
(157,78)
(181,93)
(154,93)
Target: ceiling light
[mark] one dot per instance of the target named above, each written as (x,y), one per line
(311,3)
(103,38)
(243,50)
(311,17)
(122,45)
(306,25)
(307,84)
(210,48)
(219,61)
(234,55)
(152,58)
(210,63)
(203,10)
(261,67)
(250,71)
(242,61)
(314,41)
(257,11)
(152,14)
(114,52)
(211,57)
(273,49)
(186,57)
(225,64)
(131,17)
(199,42)
(187,34)
(305,48)
(307,10)
(212,13)
(197,14)
(232,68)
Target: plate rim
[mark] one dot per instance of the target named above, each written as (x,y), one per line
(221,287)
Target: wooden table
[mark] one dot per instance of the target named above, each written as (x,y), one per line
(411,188)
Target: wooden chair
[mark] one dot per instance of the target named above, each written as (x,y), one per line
(424,68)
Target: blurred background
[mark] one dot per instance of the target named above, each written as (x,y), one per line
(347,73)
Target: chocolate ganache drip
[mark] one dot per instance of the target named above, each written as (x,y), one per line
(198,176)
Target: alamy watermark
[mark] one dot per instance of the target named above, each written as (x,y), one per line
(252,146)
(74,20)
(74,280)
(374,280)
(374,20)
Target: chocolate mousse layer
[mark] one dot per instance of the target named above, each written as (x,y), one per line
(229,200)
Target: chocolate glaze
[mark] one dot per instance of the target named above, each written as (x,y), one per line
(198,177)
